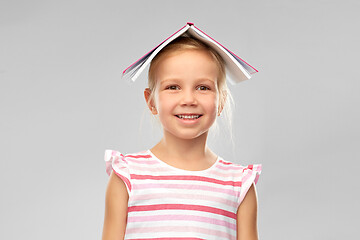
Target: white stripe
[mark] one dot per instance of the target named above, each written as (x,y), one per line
(187,183)
(183,224)
(175,235)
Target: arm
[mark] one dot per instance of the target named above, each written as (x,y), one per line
(247,216)
(116,204)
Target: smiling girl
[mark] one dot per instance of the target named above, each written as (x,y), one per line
(180,189)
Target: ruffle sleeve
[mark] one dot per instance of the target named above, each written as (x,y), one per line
(115,161)
(250,174)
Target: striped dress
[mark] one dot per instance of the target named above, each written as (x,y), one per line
(171,203)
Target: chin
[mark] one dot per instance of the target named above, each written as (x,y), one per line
(189,136)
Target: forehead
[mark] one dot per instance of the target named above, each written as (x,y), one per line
(187,64)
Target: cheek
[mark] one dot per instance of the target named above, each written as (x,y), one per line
(164,103)
(211,104)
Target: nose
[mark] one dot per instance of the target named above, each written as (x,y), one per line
(188,98)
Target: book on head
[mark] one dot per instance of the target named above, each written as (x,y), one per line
(237,69)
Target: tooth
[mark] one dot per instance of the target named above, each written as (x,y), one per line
(188,116)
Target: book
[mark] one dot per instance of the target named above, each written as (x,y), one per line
(237,69)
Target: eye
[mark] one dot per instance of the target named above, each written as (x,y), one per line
(203,88)
(172,87)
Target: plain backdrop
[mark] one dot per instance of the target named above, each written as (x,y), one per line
(62,103)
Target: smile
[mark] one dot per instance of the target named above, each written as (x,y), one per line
(190,117)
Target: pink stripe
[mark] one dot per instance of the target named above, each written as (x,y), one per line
(127,182)
(181,230)
(226,48)
(185,177)
(138,156)
(250,172)
(181,207)
(231,164)
(154,48)
(225,163)
(182,218)
(173,238)
(257,167)
(210,198)
(115,153)
(183,186)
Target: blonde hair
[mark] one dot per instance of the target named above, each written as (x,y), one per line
(225,99)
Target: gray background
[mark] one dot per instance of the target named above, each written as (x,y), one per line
(63,103)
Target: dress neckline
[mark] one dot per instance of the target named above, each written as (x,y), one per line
(184,170)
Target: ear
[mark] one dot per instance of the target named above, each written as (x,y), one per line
(222,102)
(150,104)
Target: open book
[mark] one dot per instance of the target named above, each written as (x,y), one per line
(237,70)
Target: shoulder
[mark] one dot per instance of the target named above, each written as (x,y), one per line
(118,161)
(243,175)
(237,168)
(238,165)
(137,155)
(126,157)
(226,164)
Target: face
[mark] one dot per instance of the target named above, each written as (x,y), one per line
(186,97)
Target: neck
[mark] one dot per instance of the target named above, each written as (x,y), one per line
(178,148)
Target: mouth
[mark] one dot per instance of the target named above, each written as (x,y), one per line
(188,116)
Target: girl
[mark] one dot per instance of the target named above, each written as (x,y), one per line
(180,189)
